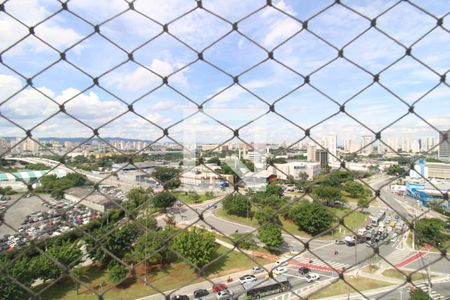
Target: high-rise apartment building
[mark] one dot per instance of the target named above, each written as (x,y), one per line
(311,152)
(393,145)
(329,142)
(348,144)
(444,146)
(28,145)
(428,143)
(367,147)
(3,146)
(322,157)
(406,144)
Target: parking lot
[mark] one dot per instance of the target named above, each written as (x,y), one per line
(34,218)
(16,213)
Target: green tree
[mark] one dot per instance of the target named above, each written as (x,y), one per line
(76,179)
(137,197)
(270,235)
(81,274)
(274,189)
(249,164)
(428,231)
(214,160)
(152,247)
(363,202)
(327,193)
(7,191)
(418,294)
(238,205)
(267,214)
(163,199)
(117,272)
(38,166)
(336,178)
(65,254)
(168,177)
(312,218)
(355,189)
(244,241)
(19,270)
(119,241)
(196,246)
(397,170)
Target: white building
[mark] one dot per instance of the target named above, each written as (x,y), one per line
(311,152)
(348,145)
(366,141)
(3,146)
(28,145)
(406,144)
(329,142)
(295,168)
(428,143)
(393,145)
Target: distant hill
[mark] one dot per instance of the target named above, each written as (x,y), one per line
(80,139)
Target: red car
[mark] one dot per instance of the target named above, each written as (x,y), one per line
(217,287)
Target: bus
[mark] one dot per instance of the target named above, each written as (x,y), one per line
(256,290)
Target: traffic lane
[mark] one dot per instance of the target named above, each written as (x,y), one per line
(443,288)
(389,199)
(436,263)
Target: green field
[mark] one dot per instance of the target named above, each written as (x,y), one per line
(191,198)
(170,277)
(353,221)
(340,287)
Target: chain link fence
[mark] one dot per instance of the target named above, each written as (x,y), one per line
(349,33)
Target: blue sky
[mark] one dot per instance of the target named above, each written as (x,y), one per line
(298,53)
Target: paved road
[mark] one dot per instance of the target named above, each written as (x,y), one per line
(297,282)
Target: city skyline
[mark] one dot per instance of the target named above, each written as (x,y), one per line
(192,84)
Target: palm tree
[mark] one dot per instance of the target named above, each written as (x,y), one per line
(81,274)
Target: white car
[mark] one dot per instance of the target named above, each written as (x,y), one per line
(257,269)
(279,270)
(310,277)
(394,237)
(247,279)
(225,295)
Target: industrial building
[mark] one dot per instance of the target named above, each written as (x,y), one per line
(86,196)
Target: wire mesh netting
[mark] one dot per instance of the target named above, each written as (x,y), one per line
(154,149)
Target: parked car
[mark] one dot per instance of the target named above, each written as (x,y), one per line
(279,270)
(304,270)
(180,297)
(200,293)
(257,269)
(217,287)
(310,277)
(339,242)
(394,237)
(247,279)
(225,295)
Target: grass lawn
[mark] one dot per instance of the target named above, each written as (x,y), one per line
(190,198)
(173,276)
(396,274)
(354,221)
(340,287)
(250,222)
